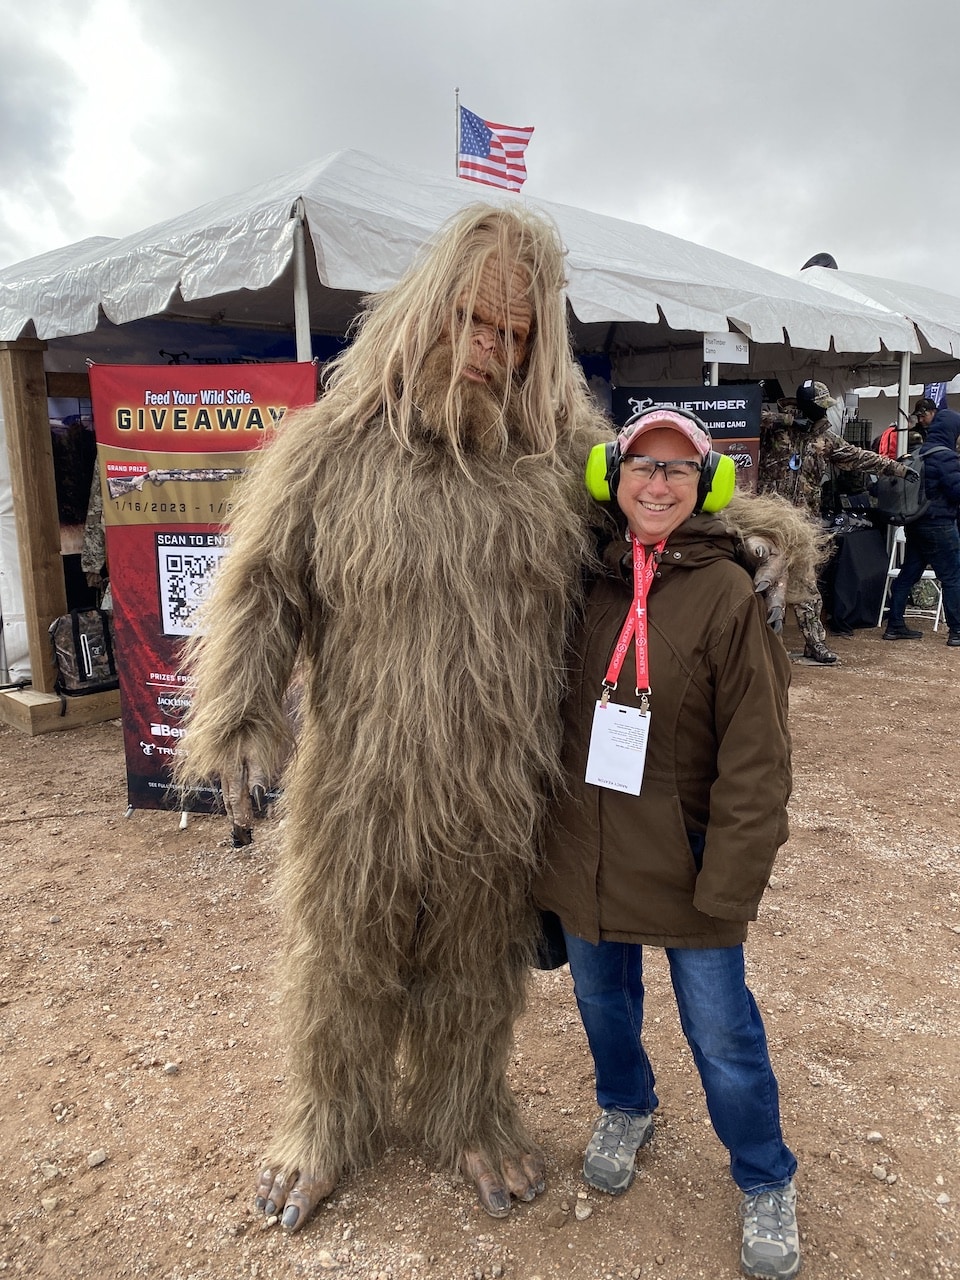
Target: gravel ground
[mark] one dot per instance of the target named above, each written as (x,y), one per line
(138,1059)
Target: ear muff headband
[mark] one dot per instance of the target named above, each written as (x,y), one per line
(716,486)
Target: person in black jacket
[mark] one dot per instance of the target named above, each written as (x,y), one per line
(934,538)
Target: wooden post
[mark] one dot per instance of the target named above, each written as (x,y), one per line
(23,391)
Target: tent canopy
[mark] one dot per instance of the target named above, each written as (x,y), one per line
(936,315)
(631,289)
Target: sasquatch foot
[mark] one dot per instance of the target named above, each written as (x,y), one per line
(291,1194)
(521,1176)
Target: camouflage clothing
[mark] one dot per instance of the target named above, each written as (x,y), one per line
(809,624)
(795,454)
(93,555)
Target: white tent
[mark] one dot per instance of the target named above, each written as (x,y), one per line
(297,253)
(935,316)
(631,289)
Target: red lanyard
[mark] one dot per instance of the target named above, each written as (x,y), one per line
(635,625)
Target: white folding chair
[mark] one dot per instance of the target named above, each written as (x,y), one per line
(897,547)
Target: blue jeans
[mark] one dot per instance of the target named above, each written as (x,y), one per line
(935,543)
(722,1024)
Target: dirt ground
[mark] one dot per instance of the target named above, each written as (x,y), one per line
(140,1063)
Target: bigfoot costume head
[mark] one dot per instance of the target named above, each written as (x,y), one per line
(470,349)
(468,386)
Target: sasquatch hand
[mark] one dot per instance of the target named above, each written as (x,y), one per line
(290,1194)
(244,798)
(775,616)
(769,579)
(522,1177)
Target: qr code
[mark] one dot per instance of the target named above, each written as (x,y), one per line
(185,577)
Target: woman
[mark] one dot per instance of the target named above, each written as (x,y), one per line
(675,851)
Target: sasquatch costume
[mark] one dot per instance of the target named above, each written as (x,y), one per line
(412,544)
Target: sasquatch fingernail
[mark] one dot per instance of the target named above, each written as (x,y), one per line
(290,1216)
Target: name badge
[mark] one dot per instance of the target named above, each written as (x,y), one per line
(618,747)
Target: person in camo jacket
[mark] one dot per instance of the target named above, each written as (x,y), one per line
(796,447)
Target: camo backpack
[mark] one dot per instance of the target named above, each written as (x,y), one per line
(82,643)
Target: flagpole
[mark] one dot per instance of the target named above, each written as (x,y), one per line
(456,158)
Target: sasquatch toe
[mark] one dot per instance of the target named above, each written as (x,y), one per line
(525,1176)
(267,1188)
(521,1177)
(291,1195)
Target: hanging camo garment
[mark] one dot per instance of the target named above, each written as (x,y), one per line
(93,555)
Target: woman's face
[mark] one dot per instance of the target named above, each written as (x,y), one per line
(656,506)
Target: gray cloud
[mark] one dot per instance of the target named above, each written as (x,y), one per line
(37,90)
(767,130)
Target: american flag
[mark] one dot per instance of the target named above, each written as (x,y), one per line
(492,153)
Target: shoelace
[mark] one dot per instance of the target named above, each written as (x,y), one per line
(768,1211)
(614,1130)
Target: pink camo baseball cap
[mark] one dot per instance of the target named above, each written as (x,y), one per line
(663,416)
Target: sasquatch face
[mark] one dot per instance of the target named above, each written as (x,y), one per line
(479,357)
(498,327)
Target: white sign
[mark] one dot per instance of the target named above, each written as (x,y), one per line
(726,348)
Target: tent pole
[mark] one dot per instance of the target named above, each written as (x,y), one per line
(301,300)
(714,374)
(903,403)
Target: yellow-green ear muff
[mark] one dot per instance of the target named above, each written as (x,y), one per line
(601,464)
(717,483)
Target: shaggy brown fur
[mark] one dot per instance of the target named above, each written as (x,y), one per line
(423,581)
(799,544)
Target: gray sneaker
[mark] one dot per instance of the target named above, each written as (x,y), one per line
(771,1241)
(612,1150)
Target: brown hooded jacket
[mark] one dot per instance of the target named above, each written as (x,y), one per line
(717,775)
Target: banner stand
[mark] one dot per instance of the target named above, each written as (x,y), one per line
(172,443)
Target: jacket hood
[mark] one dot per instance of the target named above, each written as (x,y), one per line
(944,429)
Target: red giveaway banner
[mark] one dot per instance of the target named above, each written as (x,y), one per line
(172,442)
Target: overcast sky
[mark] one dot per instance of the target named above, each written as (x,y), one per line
(766,129)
